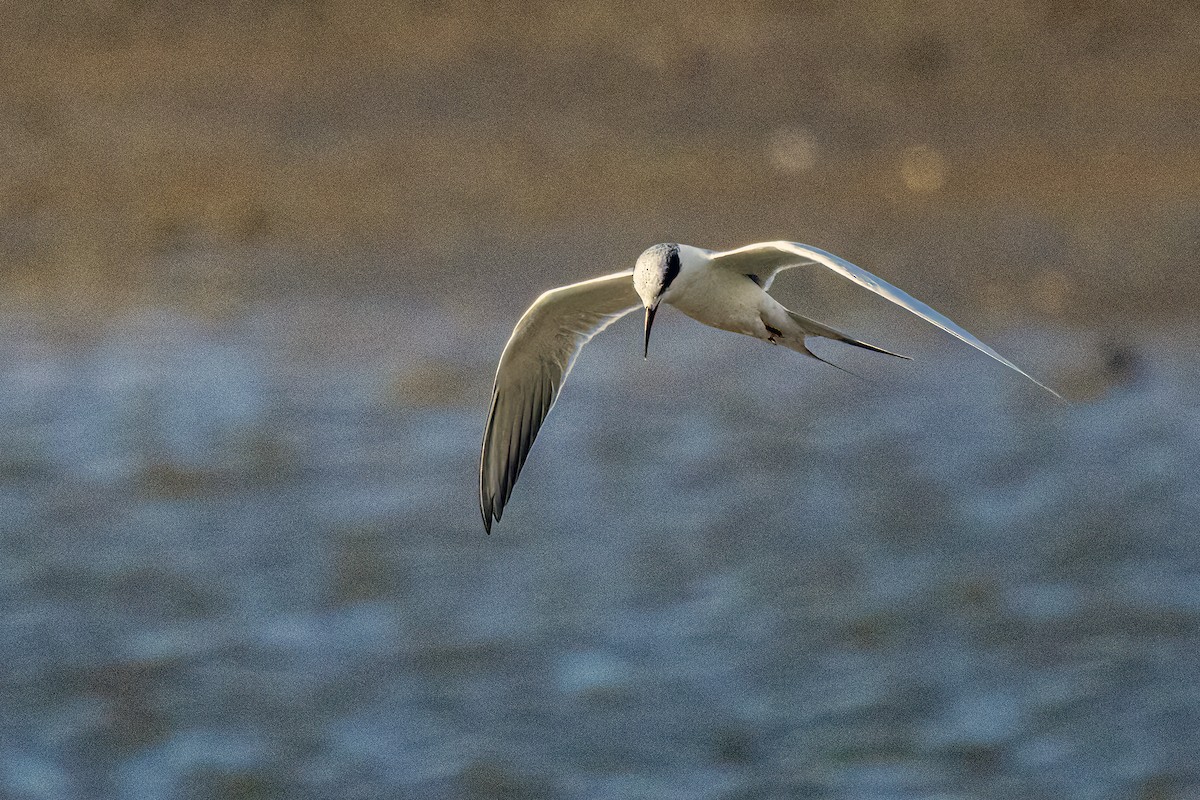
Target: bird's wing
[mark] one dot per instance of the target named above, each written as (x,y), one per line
(766,259)
(535,362)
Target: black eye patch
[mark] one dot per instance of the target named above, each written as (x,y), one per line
(673,265)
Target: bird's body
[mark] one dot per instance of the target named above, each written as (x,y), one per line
(721,299)
(726,290)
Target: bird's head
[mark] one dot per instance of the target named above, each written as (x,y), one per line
(656,268)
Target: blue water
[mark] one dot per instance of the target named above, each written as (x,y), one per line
(243,558)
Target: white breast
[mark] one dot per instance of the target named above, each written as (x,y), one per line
(720,298)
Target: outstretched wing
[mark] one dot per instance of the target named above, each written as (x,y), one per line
(536,360)
(765,259)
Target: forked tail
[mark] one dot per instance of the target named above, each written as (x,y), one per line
(813,328)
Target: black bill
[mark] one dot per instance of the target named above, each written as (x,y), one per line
(649,321)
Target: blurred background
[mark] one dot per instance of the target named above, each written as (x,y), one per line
(258,261)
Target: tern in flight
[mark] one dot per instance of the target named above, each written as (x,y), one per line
(726,290)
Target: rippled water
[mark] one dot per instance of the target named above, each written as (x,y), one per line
(243,559)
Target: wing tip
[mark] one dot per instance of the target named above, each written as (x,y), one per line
(1022,372)
(1056,395)
(485,507)
(1034,380)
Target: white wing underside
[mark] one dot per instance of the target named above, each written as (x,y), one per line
(766,259)
(539,355)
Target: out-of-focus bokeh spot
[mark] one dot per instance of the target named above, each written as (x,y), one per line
(793,151)
(922,169)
